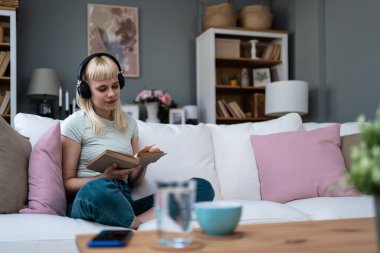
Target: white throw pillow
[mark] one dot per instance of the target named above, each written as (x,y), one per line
(234,160)
(189,154)
(33,126)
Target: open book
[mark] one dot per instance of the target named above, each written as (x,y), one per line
(108,157)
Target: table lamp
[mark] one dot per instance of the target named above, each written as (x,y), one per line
(191,113)
(283,97)
(44,84)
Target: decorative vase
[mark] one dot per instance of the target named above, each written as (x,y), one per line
(152,111)
(244,77)
(253,48)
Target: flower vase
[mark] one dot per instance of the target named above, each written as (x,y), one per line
(152,111)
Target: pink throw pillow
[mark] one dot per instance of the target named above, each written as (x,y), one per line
(299,165)
(46,190)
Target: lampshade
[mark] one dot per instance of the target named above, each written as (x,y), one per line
(44,83)
(283,97)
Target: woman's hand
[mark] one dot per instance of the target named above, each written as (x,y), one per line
(113,172)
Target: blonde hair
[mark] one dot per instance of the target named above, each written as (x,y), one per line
(101,68)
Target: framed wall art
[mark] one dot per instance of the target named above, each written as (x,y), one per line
(177,116)
(114,29)
(131,109)
(261,77)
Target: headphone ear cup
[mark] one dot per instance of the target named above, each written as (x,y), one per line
(84,90)
(121,80)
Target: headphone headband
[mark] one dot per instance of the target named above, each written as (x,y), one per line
(84,63)
(83,87)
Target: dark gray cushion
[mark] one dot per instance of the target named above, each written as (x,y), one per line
(348,142)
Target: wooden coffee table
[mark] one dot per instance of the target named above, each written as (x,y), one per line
(346,235)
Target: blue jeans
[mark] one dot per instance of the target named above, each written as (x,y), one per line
(109,201)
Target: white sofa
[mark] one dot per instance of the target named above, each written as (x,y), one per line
(221,154)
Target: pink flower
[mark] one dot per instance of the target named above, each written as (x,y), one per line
(165,99)
(154,96)
(144,95)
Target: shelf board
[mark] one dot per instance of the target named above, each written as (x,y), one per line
(227,89)
(245,62)
(248,88)
(243,29)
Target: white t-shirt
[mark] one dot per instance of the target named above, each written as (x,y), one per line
(77,127)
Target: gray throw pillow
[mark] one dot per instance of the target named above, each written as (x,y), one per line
(14,158)
(347,143)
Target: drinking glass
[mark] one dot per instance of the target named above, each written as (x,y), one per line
(173,205)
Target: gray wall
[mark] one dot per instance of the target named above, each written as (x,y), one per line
(335,49)
(332,45)
(53,34)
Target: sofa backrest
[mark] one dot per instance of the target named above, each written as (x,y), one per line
(189,150)
(235,162)
(222,154)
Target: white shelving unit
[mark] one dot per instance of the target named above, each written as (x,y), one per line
(9,43)
(209,88)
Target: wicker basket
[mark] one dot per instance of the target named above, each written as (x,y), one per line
(13,4)
(257,17)
(219,15)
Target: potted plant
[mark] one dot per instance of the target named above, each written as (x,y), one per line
(233,80)
(364,171)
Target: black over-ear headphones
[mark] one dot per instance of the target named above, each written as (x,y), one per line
(82,86)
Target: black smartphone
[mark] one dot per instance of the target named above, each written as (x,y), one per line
(111,238)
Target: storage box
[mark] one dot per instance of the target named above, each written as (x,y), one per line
(227,48)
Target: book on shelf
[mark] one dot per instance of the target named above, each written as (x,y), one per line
(5,63)
(276,53)
(223,109)
(108,157)
(233,109)
(5,102)
(240,111)
(7,109)
(272,52)
(2,56)
(267,53)
(229,109)
(258,109)
(219,112)
(1,34)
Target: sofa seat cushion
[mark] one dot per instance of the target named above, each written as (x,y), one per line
(189,154)
(254,212)
(40,246)
(269,212)
(326,208)
(234,160)
(26,227)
